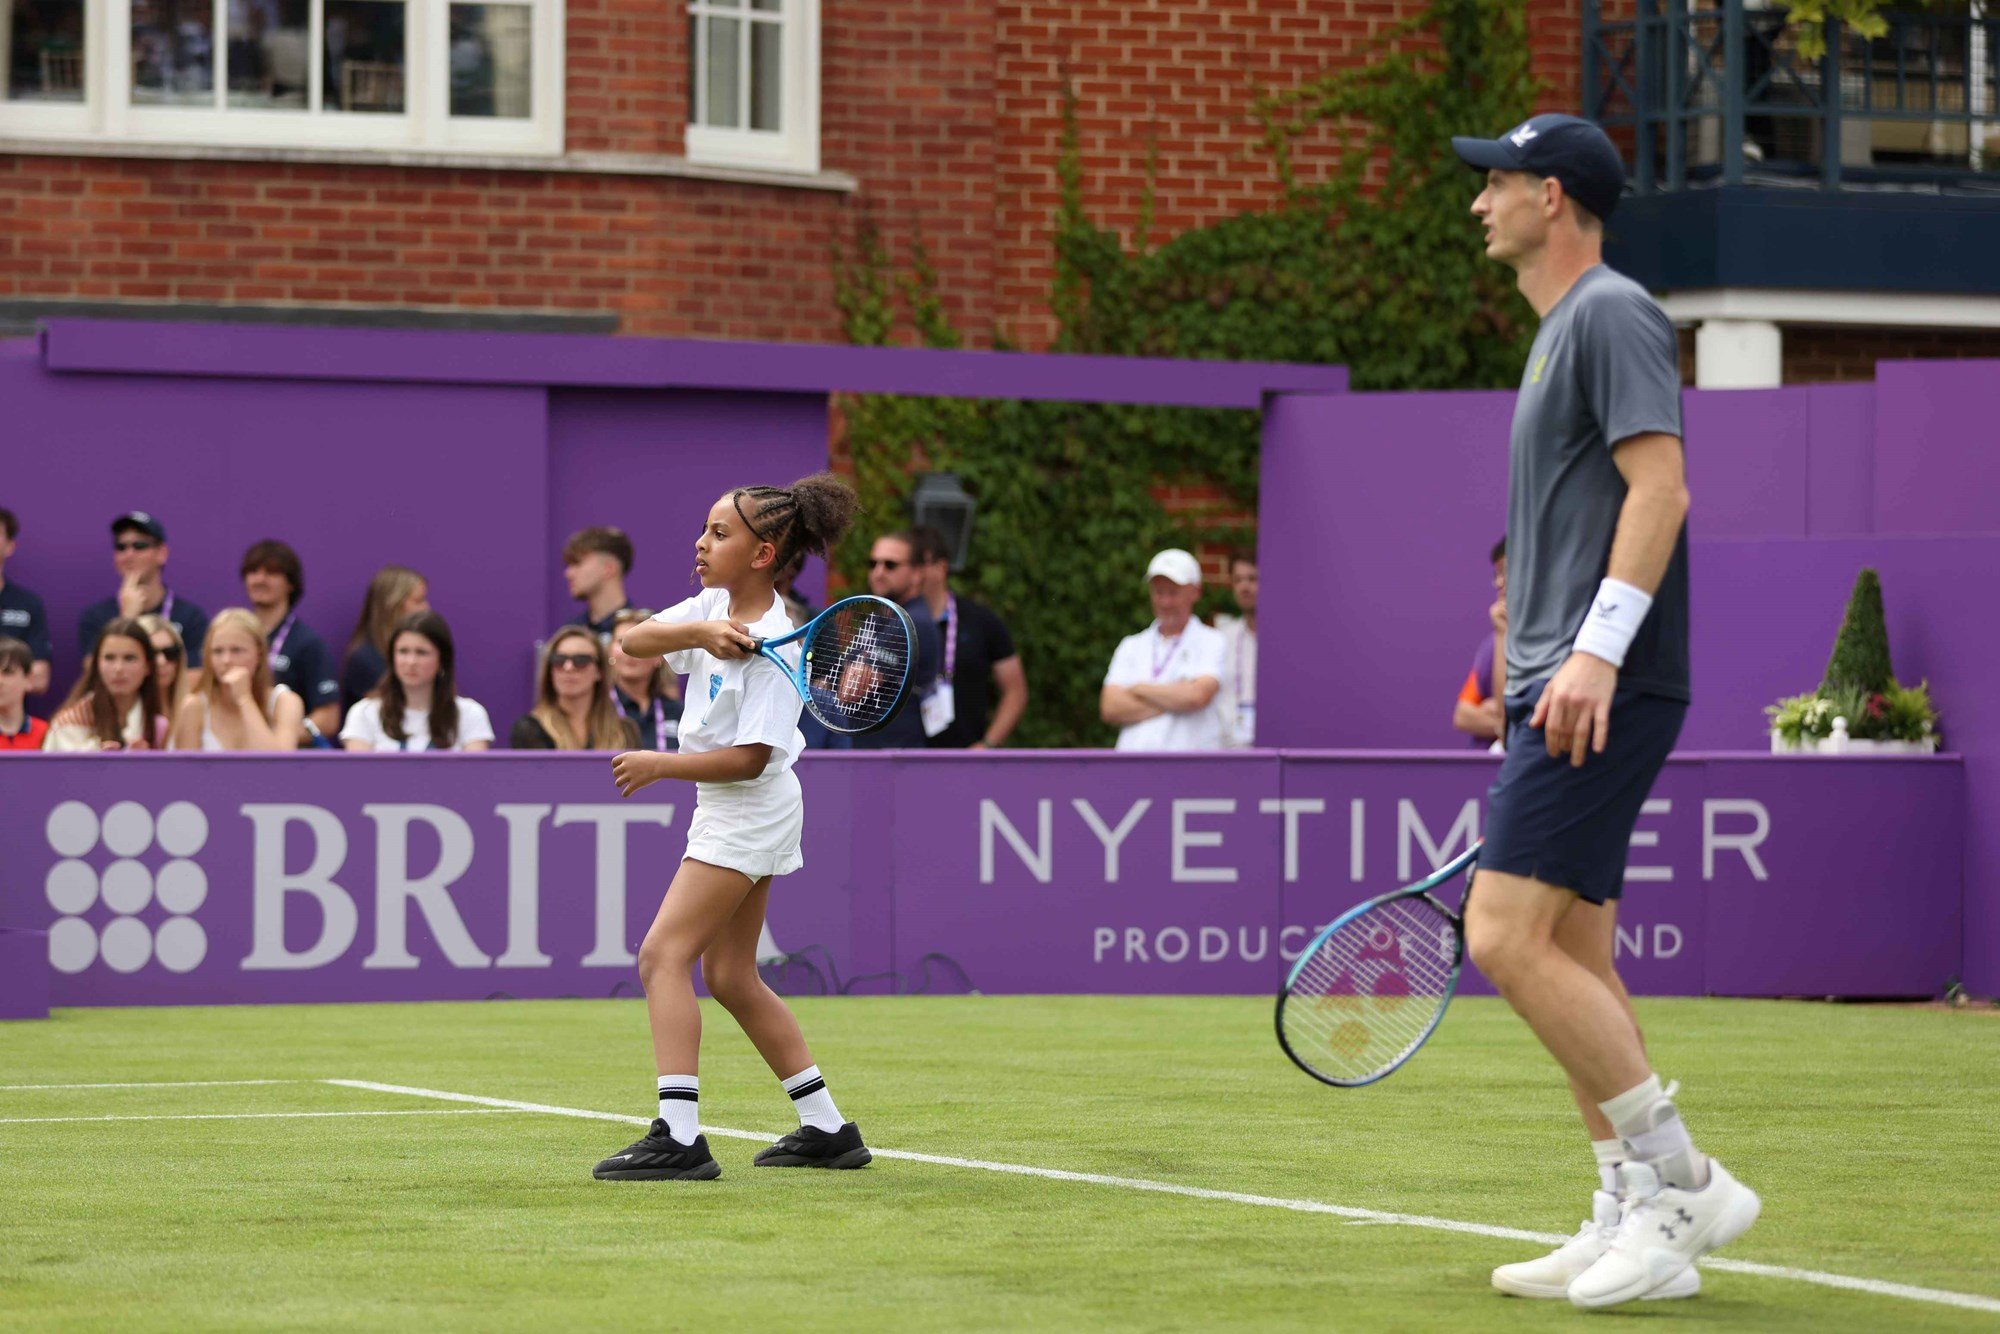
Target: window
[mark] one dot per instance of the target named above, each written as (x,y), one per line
(414,74)
(753,84)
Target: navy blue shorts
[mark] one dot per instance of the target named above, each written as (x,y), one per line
(1571,827)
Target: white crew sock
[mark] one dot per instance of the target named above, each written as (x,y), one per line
(1653,1129)
(680,1106)
(1609,1153)
(807,1090)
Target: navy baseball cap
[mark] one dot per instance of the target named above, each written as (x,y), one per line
(1569,148)
(143,522)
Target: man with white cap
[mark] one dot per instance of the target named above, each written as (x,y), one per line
(1161,691)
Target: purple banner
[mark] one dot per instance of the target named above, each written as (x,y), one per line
(216,879)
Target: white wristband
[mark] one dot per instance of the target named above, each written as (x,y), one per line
(1615,616)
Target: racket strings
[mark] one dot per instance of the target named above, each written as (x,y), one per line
(856,663)
(1368,995)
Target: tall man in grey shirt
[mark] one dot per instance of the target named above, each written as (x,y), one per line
(1597,673)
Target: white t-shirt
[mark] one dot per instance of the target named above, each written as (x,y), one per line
(742,702)
(1239,684)
(364,721)
(1149,657)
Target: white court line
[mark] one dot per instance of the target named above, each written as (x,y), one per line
(163,1084)
(1876,1287)
(257,1116)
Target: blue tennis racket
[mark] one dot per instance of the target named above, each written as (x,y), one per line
(853,663)
(1371,988)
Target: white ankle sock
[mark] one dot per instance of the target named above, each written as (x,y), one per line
(1609,1153)
(1650,1125)
(814,1104)
(680,1106)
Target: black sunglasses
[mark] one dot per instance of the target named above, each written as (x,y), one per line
(887,564)
(137,545)
(576,660)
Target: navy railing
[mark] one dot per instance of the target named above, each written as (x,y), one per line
(1721,93)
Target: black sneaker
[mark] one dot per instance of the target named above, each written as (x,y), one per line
(808,1147)
(661,1157)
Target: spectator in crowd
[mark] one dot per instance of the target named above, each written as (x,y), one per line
(595,564)
(139,552)
(170,675)
(1239,687)
(647,694)
(573,708)
(893,573)
(395,594)
(417,706)
(22,615)
(797,609)
(274,581)
(977,656)
(17,668)
(115,705)
(1161,692)
(1481,710)
(238,705)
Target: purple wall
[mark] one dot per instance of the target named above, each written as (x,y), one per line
(168,879)
(467,456)
(653,463)
(1378,511)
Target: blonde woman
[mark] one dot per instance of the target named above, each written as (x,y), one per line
(170,670)
(395,594)
(573,709)
(238,706)
(115,706)
(646,693)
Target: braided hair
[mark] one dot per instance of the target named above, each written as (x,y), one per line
(808,517)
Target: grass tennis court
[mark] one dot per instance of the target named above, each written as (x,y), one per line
(1869,1131)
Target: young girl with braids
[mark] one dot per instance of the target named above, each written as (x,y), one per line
(739,737)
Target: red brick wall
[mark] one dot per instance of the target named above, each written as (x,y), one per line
(1825,355)
(1820,355)
(948,111)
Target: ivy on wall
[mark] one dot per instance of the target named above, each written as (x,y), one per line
(1377,266)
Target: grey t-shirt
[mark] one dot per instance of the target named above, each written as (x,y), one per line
(1604,368)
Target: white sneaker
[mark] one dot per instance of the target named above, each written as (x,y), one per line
(1665,1230)
(1550,1276)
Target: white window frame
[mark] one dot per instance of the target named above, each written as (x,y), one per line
(795,145)
(108,114)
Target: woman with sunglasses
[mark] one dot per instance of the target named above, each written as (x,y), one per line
(169,662)
(573,708)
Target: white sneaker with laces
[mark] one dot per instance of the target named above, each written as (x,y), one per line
(1665,1230)
(1550,1276)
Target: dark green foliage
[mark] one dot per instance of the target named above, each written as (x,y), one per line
(1386,276)
(1860,658)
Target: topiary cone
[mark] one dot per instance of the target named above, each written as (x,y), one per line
(1861,651)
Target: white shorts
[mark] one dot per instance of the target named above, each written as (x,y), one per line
(756,829)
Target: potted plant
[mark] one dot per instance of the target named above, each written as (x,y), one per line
(1859,708)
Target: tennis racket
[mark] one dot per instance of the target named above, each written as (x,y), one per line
(853,663)
(1372,987)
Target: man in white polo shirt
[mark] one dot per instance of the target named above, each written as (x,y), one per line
(1161,690)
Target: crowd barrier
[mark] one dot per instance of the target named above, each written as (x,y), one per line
(202,879)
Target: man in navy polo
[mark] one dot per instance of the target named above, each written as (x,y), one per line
(274,581)
(22,615)
(139,551)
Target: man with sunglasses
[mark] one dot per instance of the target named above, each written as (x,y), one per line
(139,553)
(893,573)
